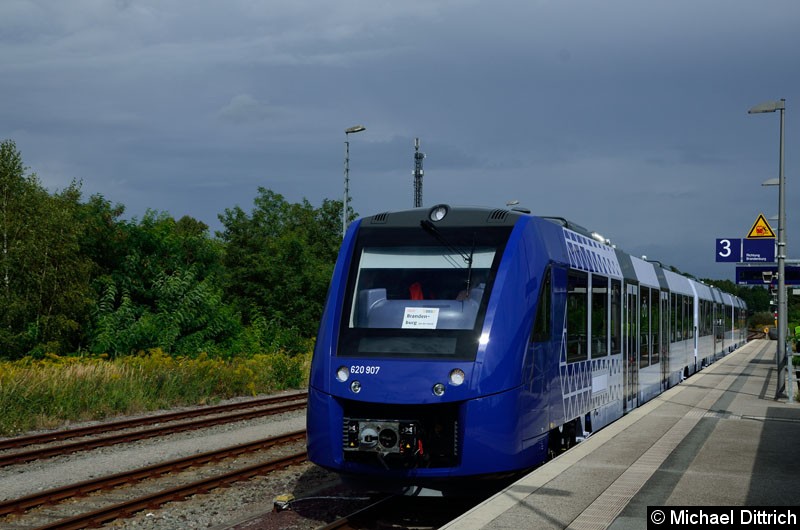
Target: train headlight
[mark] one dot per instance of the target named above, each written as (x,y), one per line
(438,390)
(457,377)
(355,387)
(438,212)
(342,374)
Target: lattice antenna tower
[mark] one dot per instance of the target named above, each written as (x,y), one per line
(418,173)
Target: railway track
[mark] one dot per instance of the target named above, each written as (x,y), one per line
(206,417)
(16,511)
(65,434)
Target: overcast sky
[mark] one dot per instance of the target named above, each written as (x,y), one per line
(627,116)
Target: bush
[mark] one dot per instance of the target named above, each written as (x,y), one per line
(48,392)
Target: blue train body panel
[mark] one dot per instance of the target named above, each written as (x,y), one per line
(465,342)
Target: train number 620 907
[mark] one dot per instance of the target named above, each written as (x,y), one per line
(368,370)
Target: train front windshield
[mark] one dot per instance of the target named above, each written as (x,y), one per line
(415,293)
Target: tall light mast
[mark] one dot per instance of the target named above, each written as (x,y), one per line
(418,172)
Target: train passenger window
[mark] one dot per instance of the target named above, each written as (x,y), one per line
(644,327)
(701,321)
(577,316)
(616,316)
(678,312)
(701,326)
(665,324)
(655,322)
(631,324)
(673,318)
(706,318)
(599,315)
(541,325)
(709,318)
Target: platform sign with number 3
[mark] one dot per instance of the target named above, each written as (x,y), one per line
(729,250)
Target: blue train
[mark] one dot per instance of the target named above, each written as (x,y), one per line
(472,343)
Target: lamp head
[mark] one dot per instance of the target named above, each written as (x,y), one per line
(768,106)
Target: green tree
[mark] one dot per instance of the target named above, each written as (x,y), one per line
(757,298)
(163,290)
(45,283)
(103,238)
(189,317)
(279,259)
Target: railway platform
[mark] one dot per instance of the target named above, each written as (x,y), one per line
(717,439)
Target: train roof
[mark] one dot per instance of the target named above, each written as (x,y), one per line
(645,272)
(653,273)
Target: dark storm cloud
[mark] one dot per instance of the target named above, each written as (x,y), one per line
(628,116)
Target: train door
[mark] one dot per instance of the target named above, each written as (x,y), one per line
(631,372)
(664,339)
(541,349)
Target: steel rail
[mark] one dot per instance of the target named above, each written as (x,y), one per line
(56,495)
(54,436)
(128,508)
(46,452)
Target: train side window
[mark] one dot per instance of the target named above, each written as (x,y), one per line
(701,321)
(644,327)
(673,318)
(616,316)
(666,315)
(655,325)
(541,325)
(599,315)
(577,316)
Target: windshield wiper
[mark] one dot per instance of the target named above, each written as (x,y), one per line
(467,257)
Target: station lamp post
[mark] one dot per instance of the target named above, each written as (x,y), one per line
(780,354)
(347,133)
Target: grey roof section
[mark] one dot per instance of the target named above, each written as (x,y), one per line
(662,279)
(728,298)
(645,272)
(628,272)
(678,283)
(704,292)
(637,270)
(717,294)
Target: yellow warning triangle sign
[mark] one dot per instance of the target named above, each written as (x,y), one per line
(761,229)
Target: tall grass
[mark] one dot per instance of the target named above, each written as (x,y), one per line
(49,392)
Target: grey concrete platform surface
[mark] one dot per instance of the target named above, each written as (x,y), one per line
(718,438)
